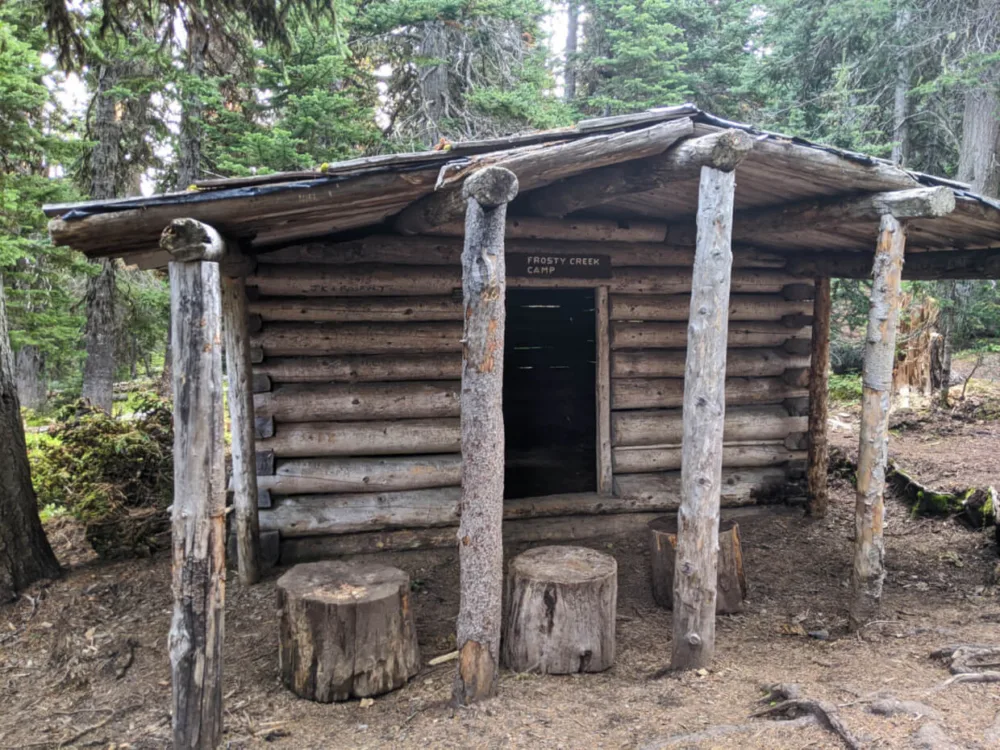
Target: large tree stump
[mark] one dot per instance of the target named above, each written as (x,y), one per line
(346,630)
(731,587)
(561,611)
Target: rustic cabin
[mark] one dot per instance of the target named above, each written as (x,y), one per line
(345,323)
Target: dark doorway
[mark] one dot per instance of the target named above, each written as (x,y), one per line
(549,406)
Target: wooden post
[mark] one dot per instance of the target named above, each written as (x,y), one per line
(199,511)
(868,572)
(819,380)
(241,418)
(704,415)
(480,535)
(603,391)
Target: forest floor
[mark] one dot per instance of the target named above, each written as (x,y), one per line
(83,660)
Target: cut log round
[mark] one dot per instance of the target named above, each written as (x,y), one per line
(561,611)
(346,630)
(732,583)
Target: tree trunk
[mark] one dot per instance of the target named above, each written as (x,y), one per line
(25,554)
(819,379)
(868,571)
(480,533)
(32,389)
(99,369)
(704,419)
(199,510)
(900,110)
(977,157)
(433,79)
(166,387)
(572,33)
(189,140)
(947,336)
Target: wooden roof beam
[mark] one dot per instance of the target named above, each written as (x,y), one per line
(537,166)
(920,266)
(723,150)
(916,203)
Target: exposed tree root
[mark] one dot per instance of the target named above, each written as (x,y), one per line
(825,713)
(724,730)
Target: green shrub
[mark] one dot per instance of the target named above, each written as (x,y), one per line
(114,475)
(845,388)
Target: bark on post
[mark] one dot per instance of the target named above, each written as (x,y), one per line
(241,418)
(196,629)
(819,379)
(704,416)
(480,534)
(868,571)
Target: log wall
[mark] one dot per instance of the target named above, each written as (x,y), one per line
(357,350)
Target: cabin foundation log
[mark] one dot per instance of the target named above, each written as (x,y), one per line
(819,379)
(198,519)
(486,194)
(704,417)
(868,572)
(243,427)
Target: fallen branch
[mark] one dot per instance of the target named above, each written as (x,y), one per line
(724,730)
(825,713)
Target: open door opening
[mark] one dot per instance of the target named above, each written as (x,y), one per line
(549,406)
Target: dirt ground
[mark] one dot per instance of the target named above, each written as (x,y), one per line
(83,660)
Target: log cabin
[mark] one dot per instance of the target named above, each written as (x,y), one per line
(665,344)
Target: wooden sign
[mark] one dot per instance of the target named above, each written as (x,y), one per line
(541,266)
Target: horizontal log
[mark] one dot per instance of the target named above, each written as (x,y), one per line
(318,339)
(396,437)
(666,426)
(684,161)
(358,309)
(670,363)
(374,280)
(667,393)
(303,476)
(928,266)
(310,515)
(739,486)
(536,167)
(359,401)
(261,383)
(921,202)
(574,230)
(677,307)
(263,427)
(360,368)
(515,531)
(444,251)
(673,335)
(668,458)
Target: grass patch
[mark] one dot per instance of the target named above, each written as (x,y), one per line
(845,388)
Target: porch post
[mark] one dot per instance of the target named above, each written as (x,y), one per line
(603,391)
(480,534)
(241,416)
(819,383)
(868,571)
(703,416)
(199,510)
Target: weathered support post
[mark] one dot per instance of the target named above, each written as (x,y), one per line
(480,535)
(241,416)
(819,382)
(704,415)
(199,511)
(603,390)
(868,571)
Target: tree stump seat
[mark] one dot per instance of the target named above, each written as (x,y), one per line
(346,630)
(731,588)
(561,607)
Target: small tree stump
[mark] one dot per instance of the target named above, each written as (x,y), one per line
(732,583)
(346,630)
(561,604)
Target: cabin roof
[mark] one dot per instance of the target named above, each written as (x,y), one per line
(268,211)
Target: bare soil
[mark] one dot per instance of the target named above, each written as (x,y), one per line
(83,660)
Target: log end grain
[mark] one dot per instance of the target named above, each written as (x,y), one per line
(561,611)
(346,630)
